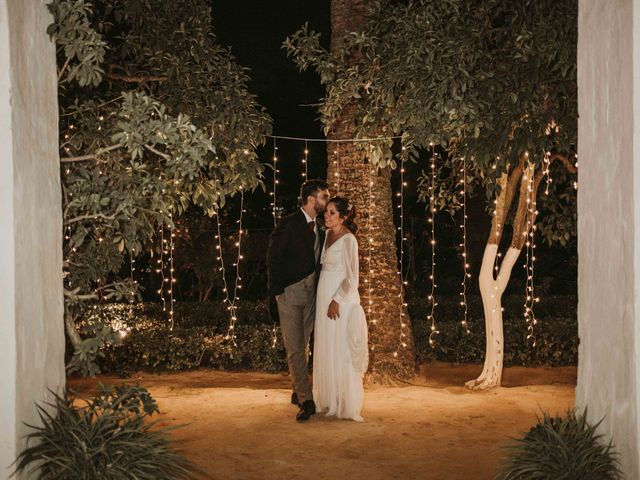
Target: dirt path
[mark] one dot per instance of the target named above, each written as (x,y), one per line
(241,425)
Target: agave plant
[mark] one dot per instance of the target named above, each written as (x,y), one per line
(106,437)
(562,448)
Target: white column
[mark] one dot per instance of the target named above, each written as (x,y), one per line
(31,308)
(609,221)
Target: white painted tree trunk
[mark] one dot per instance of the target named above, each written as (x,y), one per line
(491,290)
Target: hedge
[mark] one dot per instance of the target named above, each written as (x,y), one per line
(198,336)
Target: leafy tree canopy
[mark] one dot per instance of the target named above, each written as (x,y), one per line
(486,81)
(154,116)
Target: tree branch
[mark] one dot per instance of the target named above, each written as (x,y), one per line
(64,67)
(520,224)
(92,156)
(93,216)
(157,152)
(126,77)
(565,160)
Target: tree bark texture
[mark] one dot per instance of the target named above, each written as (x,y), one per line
(392,355)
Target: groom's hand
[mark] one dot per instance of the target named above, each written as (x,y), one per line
(334,310)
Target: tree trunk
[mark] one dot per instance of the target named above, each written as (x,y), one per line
(392,356)
(72,332)
(491,287)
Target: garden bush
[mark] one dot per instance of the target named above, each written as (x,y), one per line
(198,336)
(107,437)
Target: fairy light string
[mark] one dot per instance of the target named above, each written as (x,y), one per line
(305,161)
(160,268)
(274,211)
(274,190)
(432,210)
(230,305)
(530,258)
(171,272)
(463,245)
(368,280)
(496,262)
(400,272)
(336,173)
(546,162)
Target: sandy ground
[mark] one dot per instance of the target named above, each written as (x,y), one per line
(241,425)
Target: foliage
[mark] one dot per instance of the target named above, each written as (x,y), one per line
(186,348)
(108,437)
(556,332)
(486,81)
(154,116)
(198,339)
(562,448)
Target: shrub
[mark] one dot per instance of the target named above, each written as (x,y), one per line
(198,337)
(158,348)
(106,438)
(561,449)
(556,332)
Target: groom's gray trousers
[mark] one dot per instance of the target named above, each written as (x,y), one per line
(297,310)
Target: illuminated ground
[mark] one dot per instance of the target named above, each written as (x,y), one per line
(241,425)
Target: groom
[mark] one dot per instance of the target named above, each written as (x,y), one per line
(292,268)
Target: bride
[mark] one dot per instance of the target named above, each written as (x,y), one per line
(341,352)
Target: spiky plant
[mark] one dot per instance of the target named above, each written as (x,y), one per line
(562,448)
(106,437)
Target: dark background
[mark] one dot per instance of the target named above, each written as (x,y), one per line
(254,31)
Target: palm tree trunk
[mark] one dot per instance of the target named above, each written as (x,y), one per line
(392,356)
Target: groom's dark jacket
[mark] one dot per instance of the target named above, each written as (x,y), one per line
(291,255)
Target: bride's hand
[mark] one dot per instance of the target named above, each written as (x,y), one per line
(334,310)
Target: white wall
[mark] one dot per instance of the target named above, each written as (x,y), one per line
(609,221)
(31,308)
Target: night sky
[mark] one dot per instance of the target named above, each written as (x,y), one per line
(255,31)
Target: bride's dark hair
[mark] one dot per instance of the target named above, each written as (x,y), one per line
(347,212)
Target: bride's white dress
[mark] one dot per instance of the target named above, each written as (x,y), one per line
(341,351)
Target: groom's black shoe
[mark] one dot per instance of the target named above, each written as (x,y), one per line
(307,409)
(294,399)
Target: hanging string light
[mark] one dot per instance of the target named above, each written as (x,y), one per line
(496,264)
(274,210)
(369,277)
(336,173)
(171,272)
(305,161)
(530,216)
(238,286)
(547,174)
(132,269)
(231,301)
(400,272)
(368,280)
(160,268)
(274,191)
(225,287)
(432,222)
(463,245)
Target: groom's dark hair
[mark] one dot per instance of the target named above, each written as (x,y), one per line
(311,188)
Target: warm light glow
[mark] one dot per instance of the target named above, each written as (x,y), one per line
(432,223)
(530,216)
(463,227)
(400,272)
(232,302)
